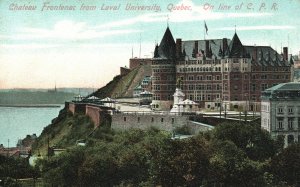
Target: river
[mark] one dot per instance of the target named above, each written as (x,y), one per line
(17,122)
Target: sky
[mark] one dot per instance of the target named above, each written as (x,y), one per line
(44,46)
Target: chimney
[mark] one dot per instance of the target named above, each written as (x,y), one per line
(178,48)
(196,48)
(285,53)
(225,45)
(206,48)
(254,55)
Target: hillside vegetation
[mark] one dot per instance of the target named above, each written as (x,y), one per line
(233,154)
(63,132)
(122,86)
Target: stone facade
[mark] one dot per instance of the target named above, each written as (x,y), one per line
(125,121)
(167,122)
(280,111)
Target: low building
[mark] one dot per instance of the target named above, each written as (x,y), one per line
(280,111)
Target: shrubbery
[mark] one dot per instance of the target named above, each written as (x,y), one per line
(230,155)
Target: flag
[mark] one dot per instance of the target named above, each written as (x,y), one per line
(205,26)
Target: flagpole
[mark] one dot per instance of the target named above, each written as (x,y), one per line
(204,30)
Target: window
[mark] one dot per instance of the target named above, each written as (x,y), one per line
(290,110)
(236,77)
(264,86)
(280,124)
(225,87)
(208,97)
(290,123)
(173,120)
(152,119)
(264,77)
(280,110)
(124,118)
(191,87)
(235,87)
(191,78)
(138,119)
(156,87)
(253,87)
(162,120)
(156,97)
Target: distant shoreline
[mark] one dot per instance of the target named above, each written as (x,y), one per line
(32,105)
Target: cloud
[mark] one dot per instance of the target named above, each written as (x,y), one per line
(28,46)
(144,18)
(258,27)
(67,30)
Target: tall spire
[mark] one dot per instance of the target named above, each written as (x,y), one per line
(167,46)
(236,48)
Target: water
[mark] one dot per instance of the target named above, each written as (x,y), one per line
(16,123)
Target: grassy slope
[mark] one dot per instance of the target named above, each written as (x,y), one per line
(64,131)
(120,84)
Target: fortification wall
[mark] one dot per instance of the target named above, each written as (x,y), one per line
(77,108)
(141,121)
(94,113)
(71,107)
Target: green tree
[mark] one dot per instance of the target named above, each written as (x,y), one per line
(229,166)
(286,165)
(62,170)
(254,141)
(180,162)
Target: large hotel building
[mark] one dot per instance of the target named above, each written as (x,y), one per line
(215,72)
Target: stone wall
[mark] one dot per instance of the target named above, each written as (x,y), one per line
(94,113)
(77,108)
(164,122)
(196,127)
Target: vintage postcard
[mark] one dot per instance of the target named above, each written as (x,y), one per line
(149,92)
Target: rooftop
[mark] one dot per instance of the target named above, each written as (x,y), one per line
(283,91)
